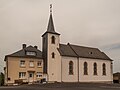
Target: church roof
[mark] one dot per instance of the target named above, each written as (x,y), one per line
(22,53)
(81,51)
(65,50)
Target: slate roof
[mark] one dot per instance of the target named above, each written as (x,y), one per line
(65,50)
(81,51)
(22,53)
(50,28)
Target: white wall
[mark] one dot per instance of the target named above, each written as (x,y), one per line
(65,69)
(95,78)
(54,65)
(85,78)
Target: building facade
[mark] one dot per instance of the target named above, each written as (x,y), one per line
(73,63)
(24,66)
(60,62)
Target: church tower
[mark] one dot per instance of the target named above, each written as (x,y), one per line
(51,55)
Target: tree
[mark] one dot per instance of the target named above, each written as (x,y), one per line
(1,79)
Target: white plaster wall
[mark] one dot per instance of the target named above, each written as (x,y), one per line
(65,69)
(95,78)
(54,65)
(58,68)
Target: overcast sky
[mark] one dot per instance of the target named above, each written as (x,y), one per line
(93,23)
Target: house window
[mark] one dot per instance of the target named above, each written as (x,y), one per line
(70,68)
(85,68)
(53,55)
(95,68)
(22,63)
(104,68)
(39,74)
(22,74)
(53,40)
(39,63)
(31,63)
(30,53)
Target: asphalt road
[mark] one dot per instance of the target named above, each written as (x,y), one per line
(64,86)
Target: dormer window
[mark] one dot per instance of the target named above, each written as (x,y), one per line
(30,53)
(90,52)
(53,40)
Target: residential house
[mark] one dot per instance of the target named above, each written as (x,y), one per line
(25,65)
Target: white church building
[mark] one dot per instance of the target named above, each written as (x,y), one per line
(73,63)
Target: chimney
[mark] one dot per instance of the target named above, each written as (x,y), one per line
(35,47)
(24,46)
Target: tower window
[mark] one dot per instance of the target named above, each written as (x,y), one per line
(53,40)
(70,68)
(53,55)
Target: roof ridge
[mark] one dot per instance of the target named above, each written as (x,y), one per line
(83,46)
(63,44)
(72,49)
(16,52)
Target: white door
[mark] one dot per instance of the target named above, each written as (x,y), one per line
(31,76)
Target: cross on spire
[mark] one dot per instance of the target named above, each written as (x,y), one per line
(51,8)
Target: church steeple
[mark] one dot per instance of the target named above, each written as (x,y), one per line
(50,28)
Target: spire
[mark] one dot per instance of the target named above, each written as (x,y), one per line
(50,27)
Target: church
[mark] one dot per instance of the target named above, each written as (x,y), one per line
(73,63)
(58,62)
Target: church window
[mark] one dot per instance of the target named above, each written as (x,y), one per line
(53,40)
(95,68)
(111,67)
(53,55)
(70,68)
(104,68)
(85,68)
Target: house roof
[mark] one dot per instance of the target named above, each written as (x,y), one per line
(81,51)
(22,53)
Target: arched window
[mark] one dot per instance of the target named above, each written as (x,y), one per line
(70,68)
(95,68)
(85,68)
(104,68)
(53,55)
(53,40)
